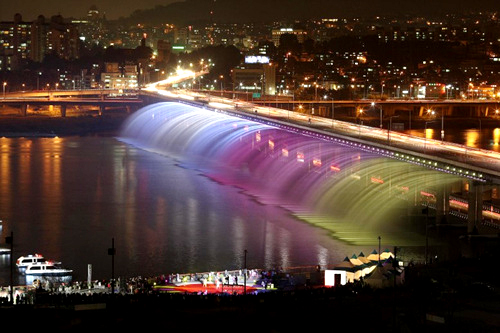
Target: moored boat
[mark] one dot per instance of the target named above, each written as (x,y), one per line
(25,261)
(46,269)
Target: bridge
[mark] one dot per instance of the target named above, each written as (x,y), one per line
(480,167)
(100,98)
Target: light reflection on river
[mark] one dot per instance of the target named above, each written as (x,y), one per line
(484,138)
(67,198)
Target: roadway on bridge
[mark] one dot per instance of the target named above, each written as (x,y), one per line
(446,156)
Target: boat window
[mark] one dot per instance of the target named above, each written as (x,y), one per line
(35,268)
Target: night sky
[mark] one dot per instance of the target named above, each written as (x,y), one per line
(30,9)
(252,9)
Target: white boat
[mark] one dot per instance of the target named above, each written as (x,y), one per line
(25,261)
(4,250)
(46,269)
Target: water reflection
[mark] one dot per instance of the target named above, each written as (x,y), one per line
(496,139)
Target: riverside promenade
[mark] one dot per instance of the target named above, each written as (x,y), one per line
(234,282)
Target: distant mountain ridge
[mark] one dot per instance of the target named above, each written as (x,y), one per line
(233,11)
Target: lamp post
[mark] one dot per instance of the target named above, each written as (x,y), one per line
(10,240)
(4,85)
(221,77)
(359,123)
(380,109)
(112,252)
(245,275)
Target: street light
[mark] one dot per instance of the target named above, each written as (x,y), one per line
(4,85)
(112,253)
(442,122)
(380,108)
(245,275)
(10,240)
(360,121)
(221,77)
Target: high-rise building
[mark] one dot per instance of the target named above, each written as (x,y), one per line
(62,38)
(21,40)
(15,43)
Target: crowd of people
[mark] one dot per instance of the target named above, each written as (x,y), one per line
(57,288)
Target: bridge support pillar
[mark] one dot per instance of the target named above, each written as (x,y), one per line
(442,203)
(421,111)
(24,110)
(63,110)
(475,211)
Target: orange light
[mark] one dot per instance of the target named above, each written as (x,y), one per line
(271,144)
(427,194)
(334,168)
